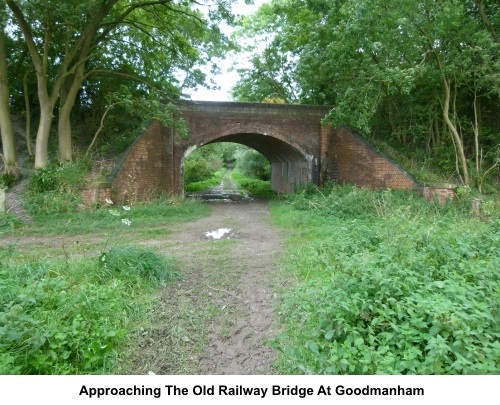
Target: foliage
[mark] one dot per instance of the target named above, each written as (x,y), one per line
(75,54)
(388,283)
(204,185)
(60,316)
(254,186)
(148,215)
(196,170)
(54,188)
(7,180)
(389,68)
(137,263)
(251,163)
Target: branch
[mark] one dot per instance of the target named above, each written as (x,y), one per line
(101,126)
(486,22)
(126,76)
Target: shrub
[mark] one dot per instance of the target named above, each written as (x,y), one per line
(196,170)
(253,164)
(390,284)
(71,317)
(54,188)
(134,262)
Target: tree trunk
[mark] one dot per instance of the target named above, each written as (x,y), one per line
(28,114)
(454,132)
(42,136)
(67,104)
(8,144)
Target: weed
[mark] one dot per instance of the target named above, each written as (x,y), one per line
(388,284)
(253,186)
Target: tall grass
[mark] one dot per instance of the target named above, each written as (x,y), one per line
(73,316)
(387,283)
(253,186)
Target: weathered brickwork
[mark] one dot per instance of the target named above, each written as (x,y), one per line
(96,195)
(352,160)
(291,137)
(146,172)
(441,195)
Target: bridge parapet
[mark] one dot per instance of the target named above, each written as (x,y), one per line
(292,137)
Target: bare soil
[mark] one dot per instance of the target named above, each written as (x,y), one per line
(233,276)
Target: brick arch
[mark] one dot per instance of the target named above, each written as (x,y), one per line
(291,167)
(292,137)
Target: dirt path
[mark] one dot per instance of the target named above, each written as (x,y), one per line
(228,287)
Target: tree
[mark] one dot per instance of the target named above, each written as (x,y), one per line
(8,145)
(69,42)
(420,73)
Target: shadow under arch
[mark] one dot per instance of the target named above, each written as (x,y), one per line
(290,167)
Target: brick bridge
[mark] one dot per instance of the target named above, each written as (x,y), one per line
(292,137)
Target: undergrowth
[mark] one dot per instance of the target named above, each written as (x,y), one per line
(144,216)
(73,316)
(55,188)
(204,185)
(253,186)
(387,283)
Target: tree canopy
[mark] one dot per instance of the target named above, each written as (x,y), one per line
(424,73)
(73,53)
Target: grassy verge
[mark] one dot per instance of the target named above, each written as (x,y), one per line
(253,186)
(70,305)
(73,316)
(145,218)
(387,283)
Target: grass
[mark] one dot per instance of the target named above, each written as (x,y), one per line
(204,185)
(71,298)
(386,283)
(73,316)
(145,217)
(253,186)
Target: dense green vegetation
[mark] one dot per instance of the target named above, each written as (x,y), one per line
(60,316)
(386,283)
(378,282)
(206,167)
(416,75)
(83,68)
(253,186)
(59,303)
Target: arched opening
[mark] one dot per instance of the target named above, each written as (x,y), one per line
(226,170)
(289,167)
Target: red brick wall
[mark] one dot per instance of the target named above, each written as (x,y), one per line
(96,195)
(299,148)
(146,171)
(352,160)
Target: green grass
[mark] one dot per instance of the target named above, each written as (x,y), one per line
(253,186)
(60,316)
(204,185)
(386,283)
(144,217)
(71,305)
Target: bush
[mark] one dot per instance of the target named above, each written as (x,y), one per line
(253,164)
(254,186)
(390,284)
(196,170)
(54,188)
(71,317)
(134,262)
(59,177)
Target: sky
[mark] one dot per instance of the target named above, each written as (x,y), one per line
(226,80)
